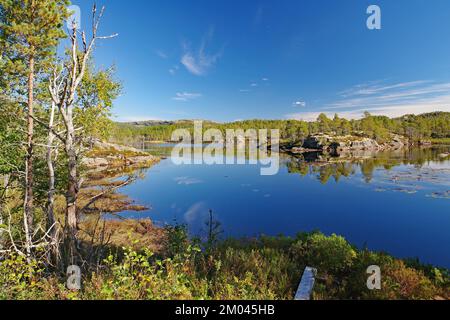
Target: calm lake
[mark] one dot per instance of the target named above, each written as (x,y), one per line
(397,202)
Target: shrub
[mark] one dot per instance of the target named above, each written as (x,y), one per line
(330,255)
(140,276)
(19,278)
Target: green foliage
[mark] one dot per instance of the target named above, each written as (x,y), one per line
(177,239)
(11,151)
(28,29)
(328,254)
(96,94)
(252,273)
(141,276)
(398,280)
(18,278)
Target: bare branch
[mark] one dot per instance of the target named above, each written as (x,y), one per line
(48,128)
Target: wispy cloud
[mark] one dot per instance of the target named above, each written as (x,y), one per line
(265,79)
(393,100)
(375,87)
(253,85)
(186,96)
(173,70)
(161,54)
(199,62)
(244,90)
(299,103)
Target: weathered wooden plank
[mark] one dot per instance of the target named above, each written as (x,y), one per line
(306,285)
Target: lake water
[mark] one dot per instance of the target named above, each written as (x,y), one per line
(397,202)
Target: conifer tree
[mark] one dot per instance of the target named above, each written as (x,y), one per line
(30,33)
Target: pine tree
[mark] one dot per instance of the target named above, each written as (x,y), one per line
(30,33)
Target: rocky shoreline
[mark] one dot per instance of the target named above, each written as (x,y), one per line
(109,167)
(337,145)
(109,155)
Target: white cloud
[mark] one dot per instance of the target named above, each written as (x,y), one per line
(198,63)
(244,90)
(186,96)
(253,85)
(299,103)
(265,79)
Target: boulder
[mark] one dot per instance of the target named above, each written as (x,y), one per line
(336,143)
(365,144)
(397,142)
(317,142)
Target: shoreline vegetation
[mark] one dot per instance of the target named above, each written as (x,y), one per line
(141,262)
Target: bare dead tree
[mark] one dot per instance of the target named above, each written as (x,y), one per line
(55,88)
(65,102)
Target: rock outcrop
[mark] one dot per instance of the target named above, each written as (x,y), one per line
(104,154)
(345,144)
(95,162)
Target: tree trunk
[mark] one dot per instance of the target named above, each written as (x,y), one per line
(51,222)
(28,202)
(3,196)
(72,188)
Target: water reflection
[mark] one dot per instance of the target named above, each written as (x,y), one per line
(366,162)
(396,201)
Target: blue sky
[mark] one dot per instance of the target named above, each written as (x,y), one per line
(229,60)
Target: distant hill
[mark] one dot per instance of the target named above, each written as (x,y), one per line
(156,123)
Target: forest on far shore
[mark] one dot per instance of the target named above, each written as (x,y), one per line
(433,126)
